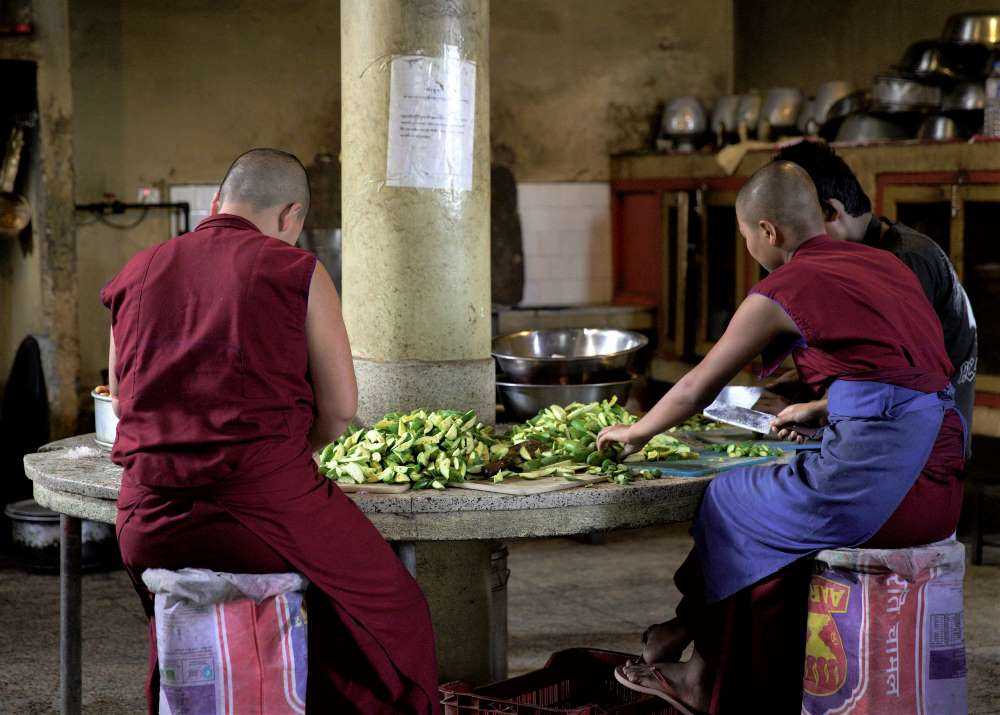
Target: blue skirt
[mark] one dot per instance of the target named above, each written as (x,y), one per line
(755,521)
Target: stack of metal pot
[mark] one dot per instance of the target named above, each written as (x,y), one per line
(934,93)
(538,368)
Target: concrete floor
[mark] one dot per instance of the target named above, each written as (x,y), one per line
(562,594)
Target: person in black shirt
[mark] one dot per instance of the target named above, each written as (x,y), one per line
(848,215)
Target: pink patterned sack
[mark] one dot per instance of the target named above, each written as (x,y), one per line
(230,644)
(885,632)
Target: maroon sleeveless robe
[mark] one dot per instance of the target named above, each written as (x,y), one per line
(863,317)
(216,403)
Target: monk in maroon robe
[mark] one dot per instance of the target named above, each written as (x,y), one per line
(867,342)
(230,365)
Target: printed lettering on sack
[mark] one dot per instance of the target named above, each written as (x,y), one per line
(829,637)
(899,614)
(947,646)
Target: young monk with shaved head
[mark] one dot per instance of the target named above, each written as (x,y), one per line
(229,365)
(867,342)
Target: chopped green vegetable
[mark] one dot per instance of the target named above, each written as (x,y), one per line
(422,448)
(431,449)
(663,447)
(746,449)
(697,423)
(566,438)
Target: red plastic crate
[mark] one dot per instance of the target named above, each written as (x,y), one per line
(577,681)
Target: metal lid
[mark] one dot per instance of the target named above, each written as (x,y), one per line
(30,510)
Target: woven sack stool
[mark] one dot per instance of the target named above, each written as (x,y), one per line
(231,644)
(885,632)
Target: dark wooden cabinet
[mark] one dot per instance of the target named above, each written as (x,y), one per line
(678,249)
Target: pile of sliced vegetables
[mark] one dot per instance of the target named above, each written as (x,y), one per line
(429,449)
(421,448)
(747,449)
(662,447)
(697,423)
(563,441)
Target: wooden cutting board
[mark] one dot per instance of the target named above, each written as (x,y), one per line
(698,467)
(791,446)
(369,488)
(527,487)
(374,488)
(724,434)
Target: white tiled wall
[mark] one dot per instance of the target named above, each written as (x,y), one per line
(566,230)
(199,196)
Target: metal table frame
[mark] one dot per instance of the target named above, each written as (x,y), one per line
(70,616)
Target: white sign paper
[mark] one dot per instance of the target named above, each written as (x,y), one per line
(432,115)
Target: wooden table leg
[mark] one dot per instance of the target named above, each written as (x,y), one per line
(69,616)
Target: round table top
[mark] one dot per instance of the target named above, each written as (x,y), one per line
(85,484)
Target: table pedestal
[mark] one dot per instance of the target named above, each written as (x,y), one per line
(465,583)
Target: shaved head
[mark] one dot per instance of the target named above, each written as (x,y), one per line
(782,193)
(264,179)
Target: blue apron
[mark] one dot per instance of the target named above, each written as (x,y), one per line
(757,520)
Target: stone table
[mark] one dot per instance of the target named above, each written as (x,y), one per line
(86,487)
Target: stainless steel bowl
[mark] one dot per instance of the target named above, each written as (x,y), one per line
(35,538)
(570,355)
(684,117)
(748,112)
(854,103)
(864,129)
(929,60)
(724,115)
(105,420)
(967,96)
(806,122)
(978,28)
(851,104)
(828,94)
(779,112)
(899,93)
(938,128)
(522,402)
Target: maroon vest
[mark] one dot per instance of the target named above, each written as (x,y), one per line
(862,315)
(212,363)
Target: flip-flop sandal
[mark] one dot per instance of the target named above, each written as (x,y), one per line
(667,693)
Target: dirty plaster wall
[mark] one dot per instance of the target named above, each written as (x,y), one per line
(575,81)
(169,93)
(803,44)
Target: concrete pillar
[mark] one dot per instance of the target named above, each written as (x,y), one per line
(55,219)
(39,269)
(416,287)
(416,262)
(465,583)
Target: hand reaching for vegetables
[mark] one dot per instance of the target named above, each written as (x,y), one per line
(622,434)
(804,413)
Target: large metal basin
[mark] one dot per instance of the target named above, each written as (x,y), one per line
(575,355)
(981,28)
(522,402)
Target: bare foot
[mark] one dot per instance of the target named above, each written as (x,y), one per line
(665,642)
(689,681)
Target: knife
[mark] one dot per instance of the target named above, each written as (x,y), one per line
(733,407)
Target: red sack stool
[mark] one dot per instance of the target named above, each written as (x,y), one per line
(885,632)
(230,644)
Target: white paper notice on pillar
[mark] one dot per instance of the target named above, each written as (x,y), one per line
(432,117)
